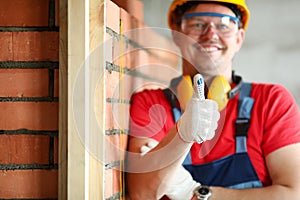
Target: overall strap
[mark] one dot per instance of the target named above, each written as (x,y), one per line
(245,104)
(172,99)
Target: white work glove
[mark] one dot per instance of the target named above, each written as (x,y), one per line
(178,187)
(181,185)
(200,118)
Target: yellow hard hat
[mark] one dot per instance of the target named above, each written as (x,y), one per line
(241,5)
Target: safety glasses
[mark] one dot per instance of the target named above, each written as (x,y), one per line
(197,24)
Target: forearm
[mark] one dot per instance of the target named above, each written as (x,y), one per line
(285,178)
(274,192)
(147,174)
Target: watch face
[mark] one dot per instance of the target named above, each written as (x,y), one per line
(203,190)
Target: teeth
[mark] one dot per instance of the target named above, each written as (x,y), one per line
(209,49)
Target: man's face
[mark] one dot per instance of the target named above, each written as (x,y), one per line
(208,46)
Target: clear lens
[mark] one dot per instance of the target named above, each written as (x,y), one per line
(197,24)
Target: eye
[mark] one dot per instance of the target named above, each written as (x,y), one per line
(223,27)
(196,24)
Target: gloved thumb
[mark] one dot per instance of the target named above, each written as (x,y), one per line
(199,87)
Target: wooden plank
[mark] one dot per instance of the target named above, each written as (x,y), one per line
(81,34)
(63,101)
(97,99)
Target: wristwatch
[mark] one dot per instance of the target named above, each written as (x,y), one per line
(202,192)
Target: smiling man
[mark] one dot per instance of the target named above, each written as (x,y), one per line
(242,142)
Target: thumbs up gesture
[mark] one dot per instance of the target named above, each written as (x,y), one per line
(200,118)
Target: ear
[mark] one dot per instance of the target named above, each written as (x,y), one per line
(240,39)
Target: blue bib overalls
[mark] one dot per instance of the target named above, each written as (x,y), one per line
(233,171)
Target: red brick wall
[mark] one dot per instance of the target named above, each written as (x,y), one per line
(29,99)
(128,50)
(29,94)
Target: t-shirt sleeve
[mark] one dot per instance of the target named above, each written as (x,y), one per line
(148,115)
(282,120)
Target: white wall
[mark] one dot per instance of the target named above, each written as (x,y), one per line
(271,52)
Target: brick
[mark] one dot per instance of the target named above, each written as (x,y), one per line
(24,149)
(141,58)
(24,13)
(126,20)
(109,119)
(24,82)
(115,146)
(133,7)
(166,57)
(113,20)
(117,116)
(112,182)
(35,46)
(111,84)
(134,25)
(6,52)
(120,47)
(29,115)
(138,24)
(29,184)
(108,45)
(117,84)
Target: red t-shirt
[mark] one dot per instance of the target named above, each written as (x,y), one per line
(275,123)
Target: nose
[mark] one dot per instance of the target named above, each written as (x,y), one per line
(209,32)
